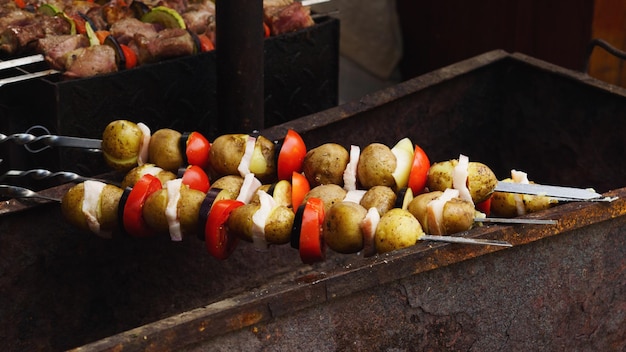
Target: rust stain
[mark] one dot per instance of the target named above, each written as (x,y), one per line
(244,319)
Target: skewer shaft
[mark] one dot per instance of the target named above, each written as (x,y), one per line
(465,240)
(21,61)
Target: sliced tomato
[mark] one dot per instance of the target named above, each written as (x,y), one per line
(484,206)
(133,221)
(266,30)
(129,56)
(291,155)
(79,22)
(311,240)
(20,3)
(219,242)
(197,150)
(419,171)
(299,188)
(206,44)
(196,178)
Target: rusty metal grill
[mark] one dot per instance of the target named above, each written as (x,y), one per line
(560,287)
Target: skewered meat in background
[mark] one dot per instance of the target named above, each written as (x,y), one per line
(64,31)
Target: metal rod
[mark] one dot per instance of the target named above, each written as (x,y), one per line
(21,61)
(466,240)
(27,76)
(518,221)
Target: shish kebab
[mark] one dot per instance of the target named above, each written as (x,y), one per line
(275,11)
(59,141)
(48,140)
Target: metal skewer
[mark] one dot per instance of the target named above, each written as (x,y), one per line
(21,192)
(465,240)
(41,174)
(49,140)
(517,221)
(21,61)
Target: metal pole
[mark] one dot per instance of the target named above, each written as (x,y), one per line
(239,54)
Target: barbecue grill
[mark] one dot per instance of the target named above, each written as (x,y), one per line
(300,78)
(561,287)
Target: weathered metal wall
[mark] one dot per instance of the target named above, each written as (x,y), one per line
(563,293)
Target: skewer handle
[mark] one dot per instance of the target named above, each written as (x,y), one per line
(49,140)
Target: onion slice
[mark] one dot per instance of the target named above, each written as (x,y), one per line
(142,158)
(435,211)
(171,209)
(459,178)
(259,218)
(248,188)
(91,206)
(368,227)
(519,177)
(349,174)
(354,196)
(244,163)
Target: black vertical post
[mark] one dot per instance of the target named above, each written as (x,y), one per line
(239,54)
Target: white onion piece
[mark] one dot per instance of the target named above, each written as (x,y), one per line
(142,158)
(435,211)
(248,188)
(459,178)
(349,174)
(91,205)
(259,218)
(171,209)
(244,163)
(368,227)
(354,196)
(519,177)
(150,169)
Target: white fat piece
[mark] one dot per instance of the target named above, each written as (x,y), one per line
(171,209)
(349,174)
(244,163)
(142,158)
(150,169)
(248,188)
(459,178)
(519,177)
(259,219)
(354,196)
(91,206)
(435,210)
(368,227)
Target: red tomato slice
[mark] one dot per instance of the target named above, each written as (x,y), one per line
(20,3)
(299,188)
(196,178)
(79,21)
(484,206)
(219,243)
(266,30)
(133,221)
(205,43)
(311,241)
(197,150)
(129,55)
(291,155)
(419,171)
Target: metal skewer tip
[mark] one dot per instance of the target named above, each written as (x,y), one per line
(518,221)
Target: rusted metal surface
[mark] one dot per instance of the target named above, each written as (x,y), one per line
(561,287)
